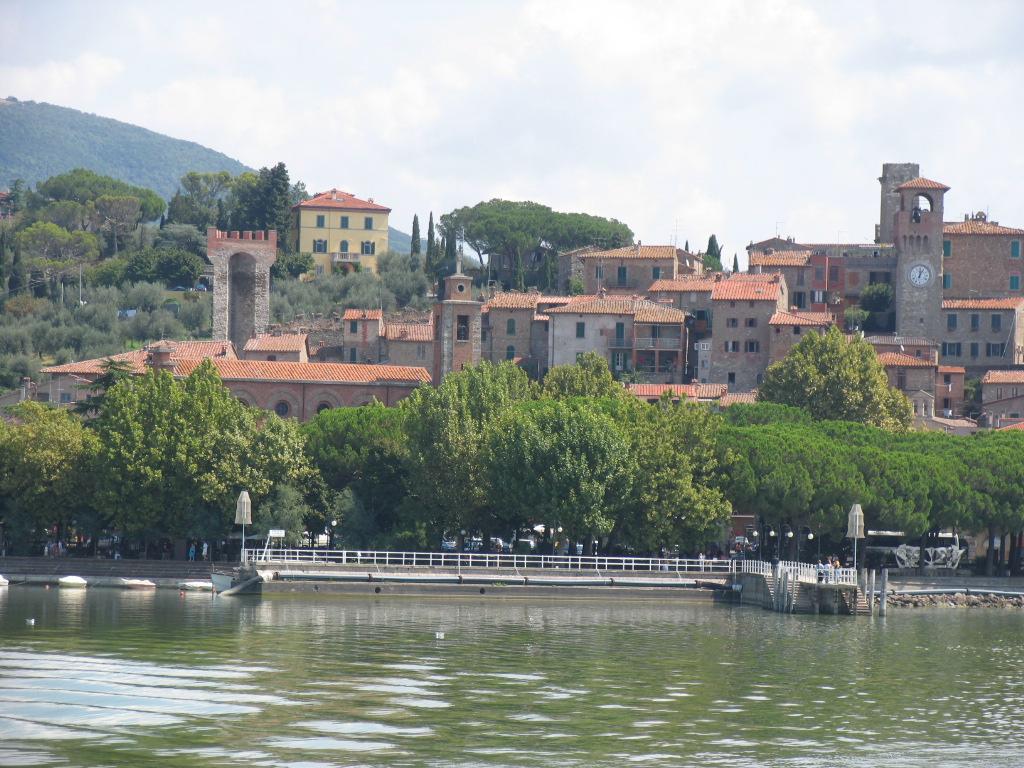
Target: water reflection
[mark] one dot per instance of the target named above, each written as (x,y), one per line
(116,677)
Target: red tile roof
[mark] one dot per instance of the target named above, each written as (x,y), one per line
(320,373)
(642,310)
(683,285)
(136,359)
(821,319)
(901,360)
(1018,425)
(638,252)
(1003,377)
(780,259)
(892,341)
(952,369)
(1010,303)
(514,300)
(282,342)
(732,398)
(345,201)
(747,290)
(977,227)
(409,332)
(363,314)
(692,391)
(922,183)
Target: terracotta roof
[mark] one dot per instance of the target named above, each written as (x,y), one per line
(683,285)
(732,398)
(1018,425)
(638,252)
(1010,303)
(922,183)
(952,369)
(692,391)
(780,259)
(283,342)
(409,331)
(893,341)
(747,290)
(753,277)
(538,318)
(136,358)
(1003,377)
(513,300)
(977,227)
(801,318)
(330,373)
(642,310)
(363,314)
(901,360)
(345,201)
(778,243)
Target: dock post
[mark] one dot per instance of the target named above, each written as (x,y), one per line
(871,593)
(885,591)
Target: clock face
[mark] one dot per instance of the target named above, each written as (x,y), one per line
(920,275)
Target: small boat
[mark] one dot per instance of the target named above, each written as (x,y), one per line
(137,584)
(72,582)
(195,586)
(221,581)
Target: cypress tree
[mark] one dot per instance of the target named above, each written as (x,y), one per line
(735,263)
(415,248)
(3,261)
(431,261)
(19,280)
(450,255)
(686,247)
(713,255)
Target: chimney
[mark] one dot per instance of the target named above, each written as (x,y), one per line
(160,356)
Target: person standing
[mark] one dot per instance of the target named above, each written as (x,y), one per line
(206,551)
(192,552)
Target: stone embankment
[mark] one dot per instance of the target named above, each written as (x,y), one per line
(958,600)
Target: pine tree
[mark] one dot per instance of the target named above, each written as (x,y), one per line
(735,263)
(415,248)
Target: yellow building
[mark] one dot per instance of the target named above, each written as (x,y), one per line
(339,231)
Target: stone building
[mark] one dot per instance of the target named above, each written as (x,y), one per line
(982,333)
(632,334)
(793,265)
(633,269)
(914,377)
(1002,398)
(981,258)
(291,389)
(241,282)
(789,328)
(570,268)
(289,347)
(740,345)
(515,327)
(691,295)
(699,393)
(457,322)
(410,344)
(340,231)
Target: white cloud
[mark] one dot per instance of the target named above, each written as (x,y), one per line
(72,82)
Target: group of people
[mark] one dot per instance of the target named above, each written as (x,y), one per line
(205,554)
(826,567)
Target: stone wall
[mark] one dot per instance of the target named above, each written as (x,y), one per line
(241,282)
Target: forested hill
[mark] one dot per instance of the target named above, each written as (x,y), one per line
(39,140)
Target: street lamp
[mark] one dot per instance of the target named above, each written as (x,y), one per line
(755,535)
(807,534)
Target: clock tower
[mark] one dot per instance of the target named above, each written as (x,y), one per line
(917,235)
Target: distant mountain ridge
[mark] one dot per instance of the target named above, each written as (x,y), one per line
(40,140)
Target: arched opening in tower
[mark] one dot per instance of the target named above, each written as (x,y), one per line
(242,299)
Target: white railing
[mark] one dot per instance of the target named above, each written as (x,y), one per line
(481,560)
(804,572)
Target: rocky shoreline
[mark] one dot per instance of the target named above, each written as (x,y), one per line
(958,600)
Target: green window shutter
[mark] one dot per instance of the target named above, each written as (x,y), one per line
(947,281)
(1015,249)
(947,248)
(1014,282)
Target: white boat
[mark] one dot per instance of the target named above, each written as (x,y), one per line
(72,582)
(3,582)
(137,584)
(195,586)
(221,581)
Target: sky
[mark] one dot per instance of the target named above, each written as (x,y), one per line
(682,119)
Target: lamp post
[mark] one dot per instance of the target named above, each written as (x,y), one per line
(755,535)
(806,533)
(787,532)
(243,516)
(771,535)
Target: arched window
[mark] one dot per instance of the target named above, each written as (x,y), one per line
(321,407)
(510,327)
(510,352)
(282,408)
(344,246)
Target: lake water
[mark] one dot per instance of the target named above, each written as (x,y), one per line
(108,677)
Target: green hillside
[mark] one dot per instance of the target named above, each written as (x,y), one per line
(40,140)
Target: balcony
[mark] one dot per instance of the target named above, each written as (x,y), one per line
(658,342)
(620,342)
(345,258)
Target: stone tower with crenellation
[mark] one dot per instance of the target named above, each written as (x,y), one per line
(241,282)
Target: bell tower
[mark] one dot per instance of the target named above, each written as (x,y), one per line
(917,235)
(457,325)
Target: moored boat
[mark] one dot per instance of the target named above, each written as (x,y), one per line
(137,584)
(72,582)
(195,586)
